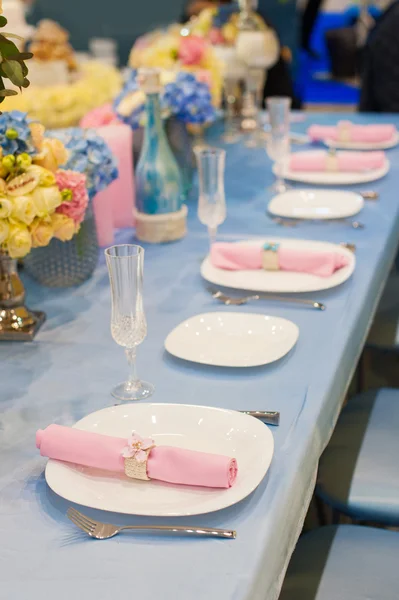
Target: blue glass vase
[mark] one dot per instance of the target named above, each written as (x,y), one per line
(159,185)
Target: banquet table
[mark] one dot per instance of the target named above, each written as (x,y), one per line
(70,368)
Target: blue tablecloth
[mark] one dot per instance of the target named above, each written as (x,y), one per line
(72,365)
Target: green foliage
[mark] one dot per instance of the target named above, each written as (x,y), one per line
(12,65)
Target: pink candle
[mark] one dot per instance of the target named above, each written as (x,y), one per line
(121,192)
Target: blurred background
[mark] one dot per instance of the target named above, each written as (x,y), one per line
(321,39)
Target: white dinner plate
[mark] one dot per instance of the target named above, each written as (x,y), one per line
(394,141)
(280,281)
(227,339)
(200,428)
(332,177)
(316,204)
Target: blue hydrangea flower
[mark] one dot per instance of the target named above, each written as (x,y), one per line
(89,154)
(189,100)
(15,135)
(224,14)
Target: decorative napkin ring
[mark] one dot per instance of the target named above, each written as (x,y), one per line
(344,131)
(136,456)
(332,160)
(270,257)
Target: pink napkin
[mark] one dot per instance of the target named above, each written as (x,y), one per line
(372,134)
(237,257)
(173,465)
(351,162)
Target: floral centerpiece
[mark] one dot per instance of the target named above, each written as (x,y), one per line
(88,158)
(38,200)
(171,51)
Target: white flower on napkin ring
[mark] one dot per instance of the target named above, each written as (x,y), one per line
(138,447)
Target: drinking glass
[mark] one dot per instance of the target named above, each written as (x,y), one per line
(128,323)
(278,142)
(231,134)
(211,202)
(253,99)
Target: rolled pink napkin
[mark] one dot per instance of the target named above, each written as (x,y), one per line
(165,463)
(237,257)
(351,162)
(347,131)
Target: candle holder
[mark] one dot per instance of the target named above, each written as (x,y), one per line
(17,322)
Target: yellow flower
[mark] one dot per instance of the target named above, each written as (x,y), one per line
(53,155)
(46,200)
(19,241)
(64,105)
(229,32)
(42,233)
(64,227)
(203,22)
(47,178)
(1,7)
(37,132)
(5,207)
(4,230)
(23,209)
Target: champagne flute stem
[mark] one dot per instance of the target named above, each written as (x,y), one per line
(133,382)
(212,236)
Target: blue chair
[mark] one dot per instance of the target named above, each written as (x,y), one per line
(359,470)
(384,333)
(344,562)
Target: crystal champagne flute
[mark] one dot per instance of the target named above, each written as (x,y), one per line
(211,202)
(128,323)
(278,143)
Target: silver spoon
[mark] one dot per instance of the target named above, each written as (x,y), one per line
(287,222)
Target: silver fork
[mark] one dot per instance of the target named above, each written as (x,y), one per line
(238,301)
(288,222)
(104,531)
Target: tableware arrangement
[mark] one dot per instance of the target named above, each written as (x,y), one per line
(332,263)
(348,136)
(319,204)
(319,167)
(278,141)
(128,323)
(240,300)
(105,531)
(232,339)
(211,201)
(216,441)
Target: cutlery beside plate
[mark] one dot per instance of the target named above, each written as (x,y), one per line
(240,300)
(105,531)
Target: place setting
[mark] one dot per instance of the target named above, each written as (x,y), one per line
(350,136)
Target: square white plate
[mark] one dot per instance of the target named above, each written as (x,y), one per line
(316,204)
(227,339)
(200,428)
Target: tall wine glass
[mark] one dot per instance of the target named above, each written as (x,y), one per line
(278,142)
(211,201)
(128,323)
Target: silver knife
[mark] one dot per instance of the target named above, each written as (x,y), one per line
(269,417)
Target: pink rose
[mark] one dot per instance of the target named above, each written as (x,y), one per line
(103,115)
(192,49)
(216,37)
(75,205)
